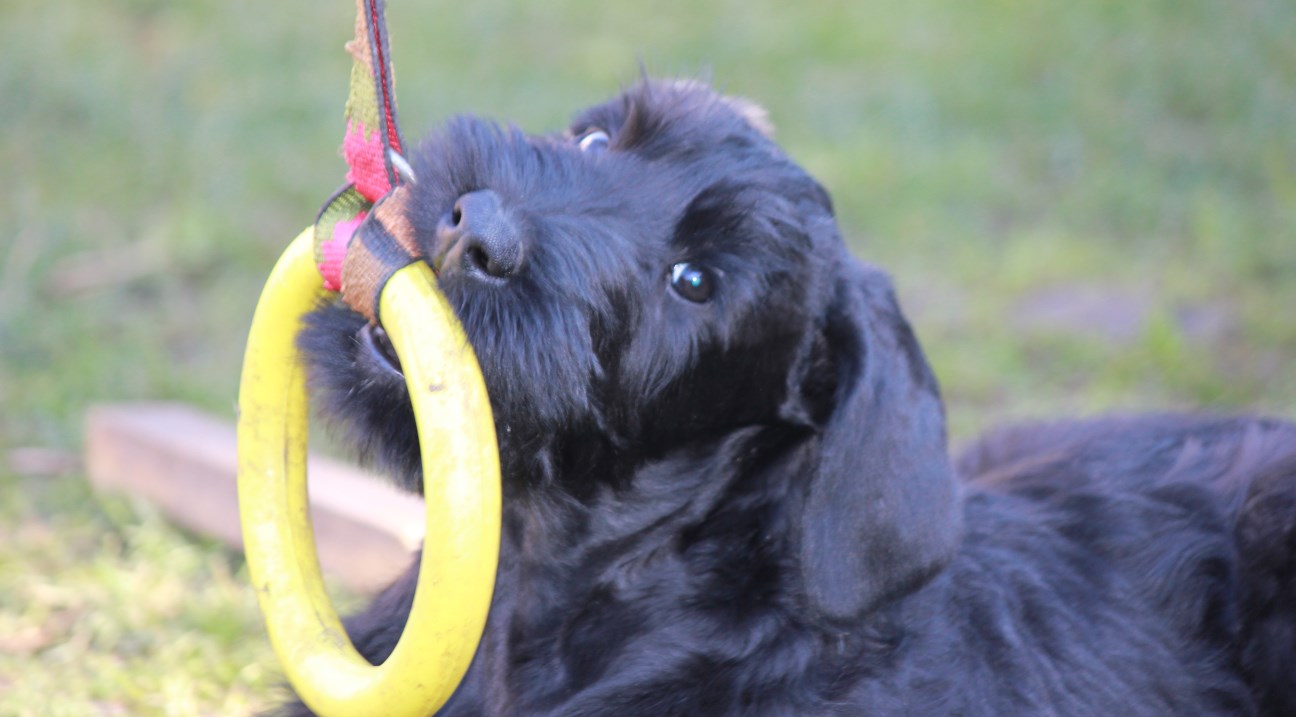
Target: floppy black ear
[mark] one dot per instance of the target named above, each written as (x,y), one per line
(880,510)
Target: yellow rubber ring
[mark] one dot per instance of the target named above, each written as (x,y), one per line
(461,488)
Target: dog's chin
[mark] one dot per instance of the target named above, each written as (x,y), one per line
(358,388)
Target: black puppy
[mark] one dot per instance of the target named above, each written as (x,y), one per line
(726,482)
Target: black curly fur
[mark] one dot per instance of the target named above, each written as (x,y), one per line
(745,506)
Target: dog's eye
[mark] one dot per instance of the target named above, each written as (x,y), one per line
(693,282)
(595,140)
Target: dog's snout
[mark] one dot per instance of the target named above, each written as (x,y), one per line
(479,235)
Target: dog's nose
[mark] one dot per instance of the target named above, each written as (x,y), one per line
(479,235)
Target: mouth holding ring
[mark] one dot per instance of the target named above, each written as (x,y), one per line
(375,342)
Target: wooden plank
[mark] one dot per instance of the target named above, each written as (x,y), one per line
(185,462)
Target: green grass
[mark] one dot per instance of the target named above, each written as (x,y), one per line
(1008,160)
(105,610)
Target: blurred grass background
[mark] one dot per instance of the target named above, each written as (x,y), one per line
(1088,206)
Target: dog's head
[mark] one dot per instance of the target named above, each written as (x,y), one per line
(653,280)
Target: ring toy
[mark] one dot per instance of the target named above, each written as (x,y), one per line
(460,482)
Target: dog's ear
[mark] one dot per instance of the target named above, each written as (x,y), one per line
(879,516)
(751,112)
(754,114)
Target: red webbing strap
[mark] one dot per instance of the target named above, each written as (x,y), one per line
(372,138)
(378,31)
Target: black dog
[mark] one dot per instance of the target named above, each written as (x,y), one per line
(726,482)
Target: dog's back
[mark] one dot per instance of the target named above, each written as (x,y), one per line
(1238,474)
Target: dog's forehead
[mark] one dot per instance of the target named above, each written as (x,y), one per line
(655,117)
(666,141)
(685,174)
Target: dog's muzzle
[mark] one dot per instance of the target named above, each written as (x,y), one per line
(480,237)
